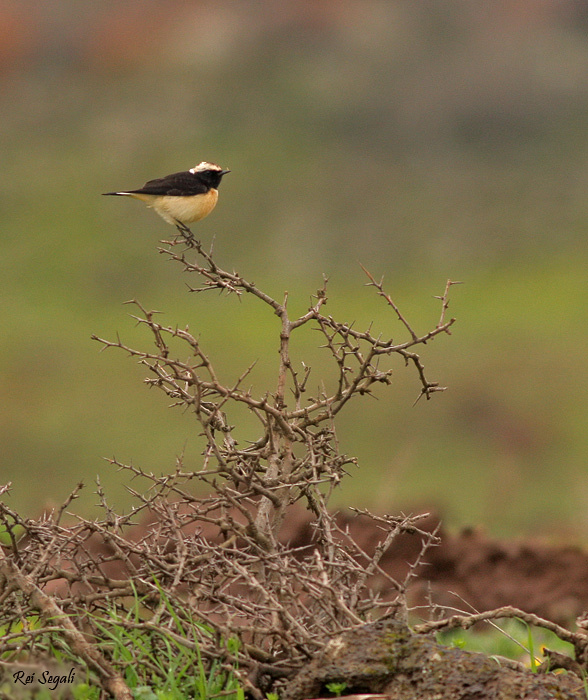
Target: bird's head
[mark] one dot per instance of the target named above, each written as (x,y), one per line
(206,167)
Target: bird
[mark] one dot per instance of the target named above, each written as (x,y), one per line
(181,198)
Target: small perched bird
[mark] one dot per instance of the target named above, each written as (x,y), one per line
(181,198)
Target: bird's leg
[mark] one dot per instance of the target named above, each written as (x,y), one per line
(186,233)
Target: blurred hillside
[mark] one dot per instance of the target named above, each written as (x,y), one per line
(427,140)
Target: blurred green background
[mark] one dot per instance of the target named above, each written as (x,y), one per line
(426,140)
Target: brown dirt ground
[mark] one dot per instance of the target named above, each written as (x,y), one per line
(548,580)
(467,570)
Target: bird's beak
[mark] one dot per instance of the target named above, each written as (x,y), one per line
(224,172)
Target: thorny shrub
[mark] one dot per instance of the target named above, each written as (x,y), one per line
(217,564)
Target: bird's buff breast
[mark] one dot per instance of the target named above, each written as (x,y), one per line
(185,209)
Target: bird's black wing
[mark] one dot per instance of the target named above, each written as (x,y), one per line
(184,184)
